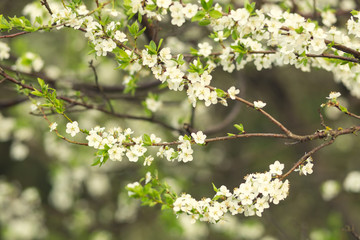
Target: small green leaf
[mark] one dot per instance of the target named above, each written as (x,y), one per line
(215,14)
(239,127)
(147,140)
(41,82)
(36,93)
(220,93)
(215,189)
(198,16)
(354,12)
(230,134)
(204,22)
(343,109)
(299,30)
(160,42)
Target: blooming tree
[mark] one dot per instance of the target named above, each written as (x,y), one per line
(170,79)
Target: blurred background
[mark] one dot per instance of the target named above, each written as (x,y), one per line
(49,190)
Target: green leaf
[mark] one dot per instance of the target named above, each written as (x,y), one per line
(204,4)
(249,7)
(152,47)
(240,58)
(215,189)
(230,134)
(160,42)
(204,22)
(354,12)
(141,32)
(150,7)
(198,16)
(41,82)
(97,162)
(215,14)
(220,93)
(299,30)
(4,24)
(239,127)
(343,109)
(122,53)
(36,93)
(134,28)
(147,140)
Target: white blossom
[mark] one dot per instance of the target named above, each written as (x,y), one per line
(199,137)
(72,128)
(259,104)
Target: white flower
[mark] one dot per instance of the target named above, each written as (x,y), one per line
(223,191)
(120,36)
(163,3)
(108,45)
(190,10)
(205,49)
(148,160)
(53,126)
(132,156)
(307,168)
(165,54)
(178,18)
(116,153)
(233,92)
(82,10)
(148,59)
(276,168)
(259,104)
(72,128)
(333,95)
(154,139)
(94,140)
(199,137)
(240,15)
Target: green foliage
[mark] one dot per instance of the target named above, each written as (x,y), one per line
(50,96)
(135,31)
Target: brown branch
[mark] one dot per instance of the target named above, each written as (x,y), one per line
(46,4)
(347,112)
(14,35)
(89,106)
(57,132)
(305,156)
(343,48)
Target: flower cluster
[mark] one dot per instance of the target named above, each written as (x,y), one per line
(182,154)
(118,143)
(251,198)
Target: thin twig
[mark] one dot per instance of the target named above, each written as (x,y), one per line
(89,106)
(57,132)
(46,4)
(14,35)
(305,156)
(322,122)
(100,87)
